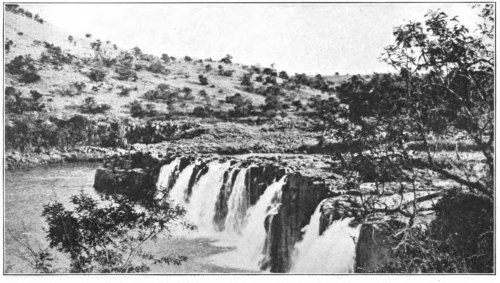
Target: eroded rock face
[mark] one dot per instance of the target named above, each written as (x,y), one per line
(300,197)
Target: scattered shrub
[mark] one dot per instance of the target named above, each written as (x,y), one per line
(8,44)
(202,111)
(136,51)
(158,68)
(208,68)
(165,58)
(54,55)
(20,65)
(17,104)
(284,75)
(227,59)
(90,106)
(203,80)
(298,104)
(96,45)
(71,89)
(259,79)
(20,33)
(70,38)
(188,59)
(137,110)
(247,79)
(164,93)
(97,74)
(88,35)
(270,80)
(227,73)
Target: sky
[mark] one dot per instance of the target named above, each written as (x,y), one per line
(306,38)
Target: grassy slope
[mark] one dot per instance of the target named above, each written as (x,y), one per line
(183,74)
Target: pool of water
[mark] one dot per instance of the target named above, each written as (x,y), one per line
(27,191)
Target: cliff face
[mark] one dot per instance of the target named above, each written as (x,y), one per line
(300,197)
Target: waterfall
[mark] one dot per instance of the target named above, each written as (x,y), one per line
(332,252)
(249,247)
(201,206)
(178,192)
(166,174)
(237,204)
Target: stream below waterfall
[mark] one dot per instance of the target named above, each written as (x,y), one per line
(237,247)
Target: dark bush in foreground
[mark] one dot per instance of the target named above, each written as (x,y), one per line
(459,240)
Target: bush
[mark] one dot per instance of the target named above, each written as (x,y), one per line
(259,79)
(125,91)
(71,89)
(200,111)
(247,79)
(208,68)
(15,103)
(272,103)
(165,58)
(20,65)
(140,111)
(284,75)
(54,55)
(188,59)
(227,73)
(90,106)
(158,68)
(459,240)
(136,51)
(70,38)
(97,74)
(88,35)
(125,74)
(23,66)
(164,93)
(97,244)
(96,45)
(8,44)
(227,59)
(203,80)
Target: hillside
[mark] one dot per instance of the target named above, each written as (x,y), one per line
(80,75)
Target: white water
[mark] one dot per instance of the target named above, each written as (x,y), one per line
(179,190)
(332,252)
(167,172)
(244,234)
(201,206)
(250,245)
(237,204)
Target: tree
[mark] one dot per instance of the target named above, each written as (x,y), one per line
(105,238)
(393,129)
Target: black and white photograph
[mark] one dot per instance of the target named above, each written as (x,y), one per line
(249,138)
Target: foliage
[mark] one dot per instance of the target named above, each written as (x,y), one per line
(24,67)
(105,238)
(202,111)
(88,35)
(158,68)
(203,79)
(246,80)
(459,240)
(188,59)
(165,58)
(97,74)
(17,104)
(73,89)
(284,75)
(228,59)
(96,45)
(137,109)
(8,44)
(90,106)
(443,89)
(163,93)
(54,55)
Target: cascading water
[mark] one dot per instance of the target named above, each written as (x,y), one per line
(201,206)
(250,245)
(243,236)
(332,252)
(237,204)
(166,174)
(178,192)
